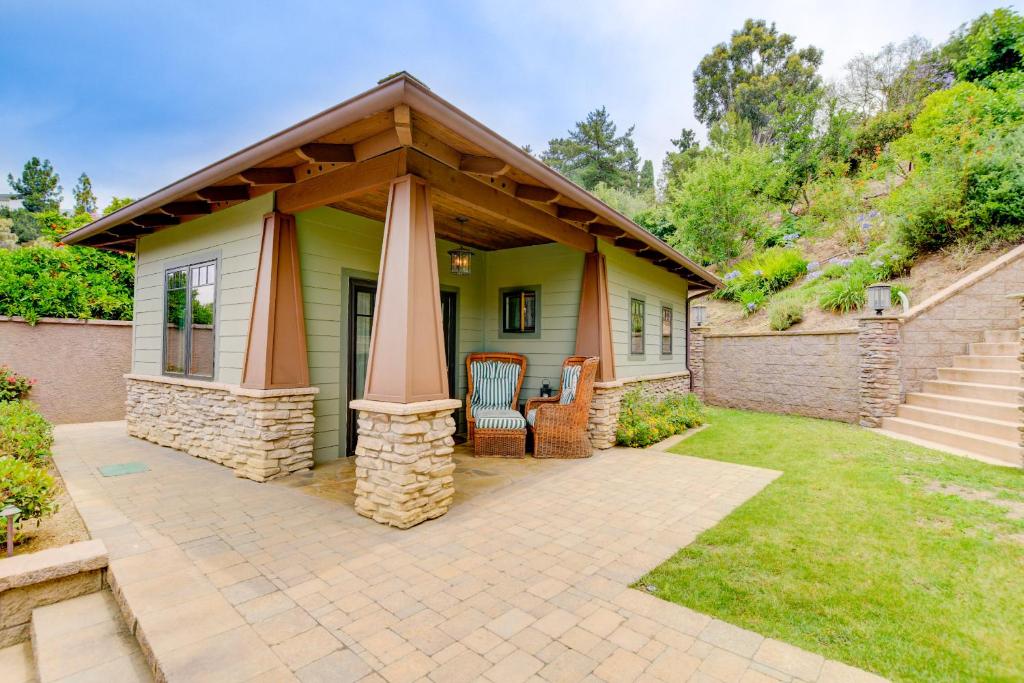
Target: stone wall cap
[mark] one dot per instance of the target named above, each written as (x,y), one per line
(967,281)
(613,383)
(869,318)
(405,408)
(66,321)
(794,333)
(220,386)
(52,563)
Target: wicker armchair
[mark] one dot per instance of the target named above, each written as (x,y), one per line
(493,421)
(559,422)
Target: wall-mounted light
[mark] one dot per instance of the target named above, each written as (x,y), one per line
(698,315)
(879,297)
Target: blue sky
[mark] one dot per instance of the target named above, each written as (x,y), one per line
(138,94)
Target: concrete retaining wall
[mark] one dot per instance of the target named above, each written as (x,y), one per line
(78,365)
(813,374)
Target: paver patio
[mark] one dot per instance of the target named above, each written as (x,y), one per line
(525,579)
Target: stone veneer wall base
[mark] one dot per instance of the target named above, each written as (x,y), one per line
(261,434)
(404,466)
(607,401)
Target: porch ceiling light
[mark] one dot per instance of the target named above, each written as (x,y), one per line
(879,297)
(461,261)
(699,314)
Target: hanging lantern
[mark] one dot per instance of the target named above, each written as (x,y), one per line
(461,261)
(879,296)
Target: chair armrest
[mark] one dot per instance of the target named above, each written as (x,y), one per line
(531,403)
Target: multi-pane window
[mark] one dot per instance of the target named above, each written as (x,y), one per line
(666,330)
(189,319)
(636,327)
(519,311)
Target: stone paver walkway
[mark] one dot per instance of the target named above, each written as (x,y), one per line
(224,579)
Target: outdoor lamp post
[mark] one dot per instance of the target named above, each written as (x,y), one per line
(461,261)
(699,314)
(10,512)
(879,296)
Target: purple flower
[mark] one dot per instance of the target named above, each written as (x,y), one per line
(731,276)
(813,266)
(751,306)
(812,276)
(758,273)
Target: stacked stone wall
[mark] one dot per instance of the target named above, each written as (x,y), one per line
(607,400)
(261,434)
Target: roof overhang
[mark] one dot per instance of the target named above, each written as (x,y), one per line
(546,197)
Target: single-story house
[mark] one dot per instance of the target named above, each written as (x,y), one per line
(339,272)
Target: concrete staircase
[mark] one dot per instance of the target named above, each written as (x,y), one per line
(82,640)
(973,406)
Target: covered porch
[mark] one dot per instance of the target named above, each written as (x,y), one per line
(341,325)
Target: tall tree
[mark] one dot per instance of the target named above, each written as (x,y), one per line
(85,199)
(677,161)
(593,153)
(117,203)
(991,43)
(647,176)
(878,82)
(751,74)
(38,186)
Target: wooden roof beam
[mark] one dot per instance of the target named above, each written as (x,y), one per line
(605,230)
(151,220)
(325,152)
(571,213)
(536,193)
(225,193)
(471,163)
(268,176)
(496,203)
(189,208)
(630,243)
(343,182)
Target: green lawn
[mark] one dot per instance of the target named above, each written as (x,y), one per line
(858,553)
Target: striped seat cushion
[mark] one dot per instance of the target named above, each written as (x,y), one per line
(499,418)
(570,378)
(494,384)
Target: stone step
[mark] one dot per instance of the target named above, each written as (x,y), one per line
(16,665)
(994,410)
(85,639)
(973,424)
(986,392)
(1008,452)
(987,362)
(1001,336)
(1000,377)
(994,349)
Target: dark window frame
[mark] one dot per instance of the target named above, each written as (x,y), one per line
(188,268)
(670,338)
(504,331)
(633,338)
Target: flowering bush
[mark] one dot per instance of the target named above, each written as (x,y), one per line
(643,421)
(13,386)
(760,276)
(24,433)
(28,487)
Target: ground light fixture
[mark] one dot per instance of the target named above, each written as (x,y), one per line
(698,314)
(879,297)
(10,512)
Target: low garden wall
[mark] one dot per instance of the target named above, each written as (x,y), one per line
(812,373)
(78,365)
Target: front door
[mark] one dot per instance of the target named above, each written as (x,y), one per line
(361,301)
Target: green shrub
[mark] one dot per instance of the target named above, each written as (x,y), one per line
(66,282)
(788,231)
(783,313)
(844,286)
(24,433)
(28,487)
(872,138)
(760,276)
(13,387)
(643,422)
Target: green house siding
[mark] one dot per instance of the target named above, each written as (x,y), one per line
(233,237)
(559,272)
(629,276)
(335,247)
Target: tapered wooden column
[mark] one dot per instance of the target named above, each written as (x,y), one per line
(275,353)
(594,326)
(407,361)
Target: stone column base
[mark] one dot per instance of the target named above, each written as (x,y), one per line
(404,460)
(262,434)
(878,348)
(604,413)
